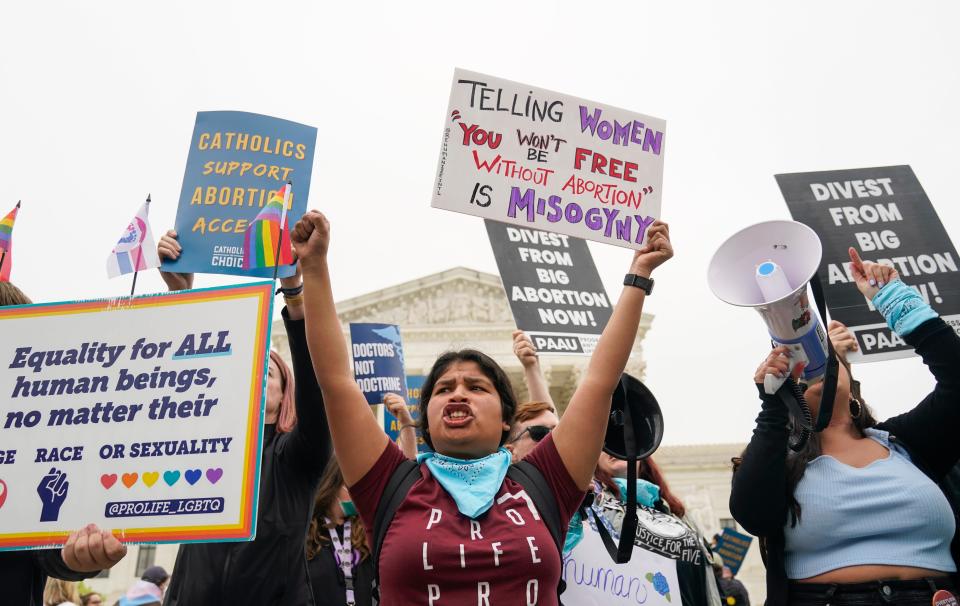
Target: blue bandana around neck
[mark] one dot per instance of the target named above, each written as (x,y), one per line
(473,483)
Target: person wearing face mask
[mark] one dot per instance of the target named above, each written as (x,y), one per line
(271,569)
(341,570)
(857,516)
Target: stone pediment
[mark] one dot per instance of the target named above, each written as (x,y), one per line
(455,309)
(456,297)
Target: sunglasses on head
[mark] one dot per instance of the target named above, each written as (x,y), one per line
(537,432)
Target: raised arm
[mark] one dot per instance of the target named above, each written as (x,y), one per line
(407,441)
(310,438)
(532,373)
(930,428)
(579,436)
(758,500)
(357,438)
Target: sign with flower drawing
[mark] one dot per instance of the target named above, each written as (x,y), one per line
(593,579)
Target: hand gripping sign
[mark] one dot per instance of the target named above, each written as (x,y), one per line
(142,415)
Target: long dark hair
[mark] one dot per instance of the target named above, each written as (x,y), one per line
(797,461)
(327,495)
(490,369)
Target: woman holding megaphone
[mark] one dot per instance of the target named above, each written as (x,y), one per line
(857,516)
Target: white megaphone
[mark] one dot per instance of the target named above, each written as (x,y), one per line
(767,266)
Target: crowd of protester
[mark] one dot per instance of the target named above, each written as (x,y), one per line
(485,513)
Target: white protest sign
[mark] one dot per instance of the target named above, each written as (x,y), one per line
(142,415)
(533,157)
(594,579)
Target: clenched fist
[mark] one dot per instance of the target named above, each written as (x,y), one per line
(311,238)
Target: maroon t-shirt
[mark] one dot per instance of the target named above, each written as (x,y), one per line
(435,556)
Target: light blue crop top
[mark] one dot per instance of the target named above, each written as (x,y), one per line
(888,512)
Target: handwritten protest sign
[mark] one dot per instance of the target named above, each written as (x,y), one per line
(236,160)
(536,158)
(555,292)
(732,547)
(141,415)
(885,214)
(378,367)
(594,579)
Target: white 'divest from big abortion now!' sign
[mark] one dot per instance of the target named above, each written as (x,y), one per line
(537,158)
(142,415)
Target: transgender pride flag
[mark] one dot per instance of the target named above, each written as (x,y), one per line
(268,233)
(6,243)
(136,250)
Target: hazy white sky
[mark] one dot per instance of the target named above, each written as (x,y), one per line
(99,99)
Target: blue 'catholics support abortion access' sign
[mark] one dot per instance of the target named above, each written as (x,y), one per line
(236,160)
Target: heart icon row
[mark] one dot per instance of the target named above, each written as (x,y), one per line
(192,476)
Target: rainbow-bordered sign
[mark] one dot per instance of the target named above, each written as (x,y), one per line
(142,415)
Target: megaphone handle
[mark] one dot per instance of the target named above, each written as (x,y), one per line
(628,529)
(795,354)
(772,383)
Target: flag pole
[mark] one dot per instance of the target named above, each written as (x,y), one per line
(283,219)
(133,286)
(3,255)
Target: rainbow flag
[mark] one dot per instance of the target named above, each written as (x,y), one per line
(136,250)
(6,243)
(268,231)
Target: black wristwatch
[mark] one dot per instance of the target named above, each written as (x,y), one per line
(644,284)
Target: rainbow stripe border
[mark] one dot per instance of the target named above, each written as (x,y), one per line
(246,527)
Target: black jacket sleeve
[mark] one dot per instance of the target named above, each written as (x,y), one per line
(758,500)
(309,443)
(51,562)
(930,430)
